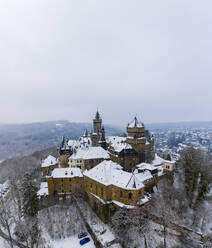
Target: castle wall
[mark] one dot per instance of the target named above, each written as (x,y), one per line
(128,163)
(90,163)
(111,192)
(45,170)
(64,160)
(84,164)
(65,185)
(76,163)
(136,131)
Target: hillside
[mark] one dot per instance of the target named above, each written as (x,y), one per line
(17,167)
(17,140)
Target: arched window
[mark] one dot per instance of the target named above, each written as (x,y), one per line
(130,195)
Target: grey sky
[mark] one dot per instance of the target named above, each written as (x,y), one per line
(63,59)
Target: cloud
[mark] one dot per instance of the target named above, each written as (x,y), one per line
(63,59)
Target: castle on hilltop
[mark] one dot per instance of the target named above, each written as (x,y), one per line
(111,171)
(137,147)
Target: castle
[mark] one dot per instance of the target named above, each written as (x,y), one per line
(112,172)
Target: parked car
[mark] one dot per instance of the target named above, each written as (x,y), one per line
(82,235)
(84,241)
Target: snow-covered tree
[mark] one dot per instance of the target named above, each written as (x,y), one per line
(30,211)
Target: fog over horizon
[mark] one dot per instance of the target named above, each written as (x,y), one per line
(61,60)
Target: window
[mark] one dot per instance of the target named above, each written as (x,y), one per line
(91,185)
(62,180)
(69,179)
(96,189)
(121,194)
(130,196)
(102,192)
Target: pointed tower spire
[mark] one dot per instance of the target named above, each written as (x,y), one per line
(97,117)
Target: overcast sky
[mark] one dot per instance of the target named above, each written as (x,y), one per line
(64,59)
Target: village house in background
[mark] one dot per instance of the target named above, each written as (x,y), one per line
(111,172)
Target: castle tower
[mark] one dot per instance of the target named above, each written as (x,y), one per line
(97,123)
(140,140)
(103,142)
(64,152)
(98,134)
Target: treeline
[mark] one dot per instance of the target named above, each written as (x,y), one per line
(197,169)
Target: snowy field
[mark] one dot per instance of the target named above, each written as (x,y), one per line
(72,242)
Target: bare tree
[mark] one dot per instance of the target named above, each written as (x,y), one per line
(6,222)
(7,219)
(163,207)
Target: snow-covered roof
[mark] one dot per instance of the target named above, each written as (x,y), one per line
(145,166)
(82,142)
(66,173)
(91,153)
(43,189)
(118,143)
(135,123)
(170,162)
(157,161)
(118,147)
(110,173)
(50,160)
(144,176)
(115,139)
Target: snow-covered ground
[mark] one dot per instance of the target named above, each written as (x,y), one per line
(71,242)
(2,243)
(102,231)
(4,190)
